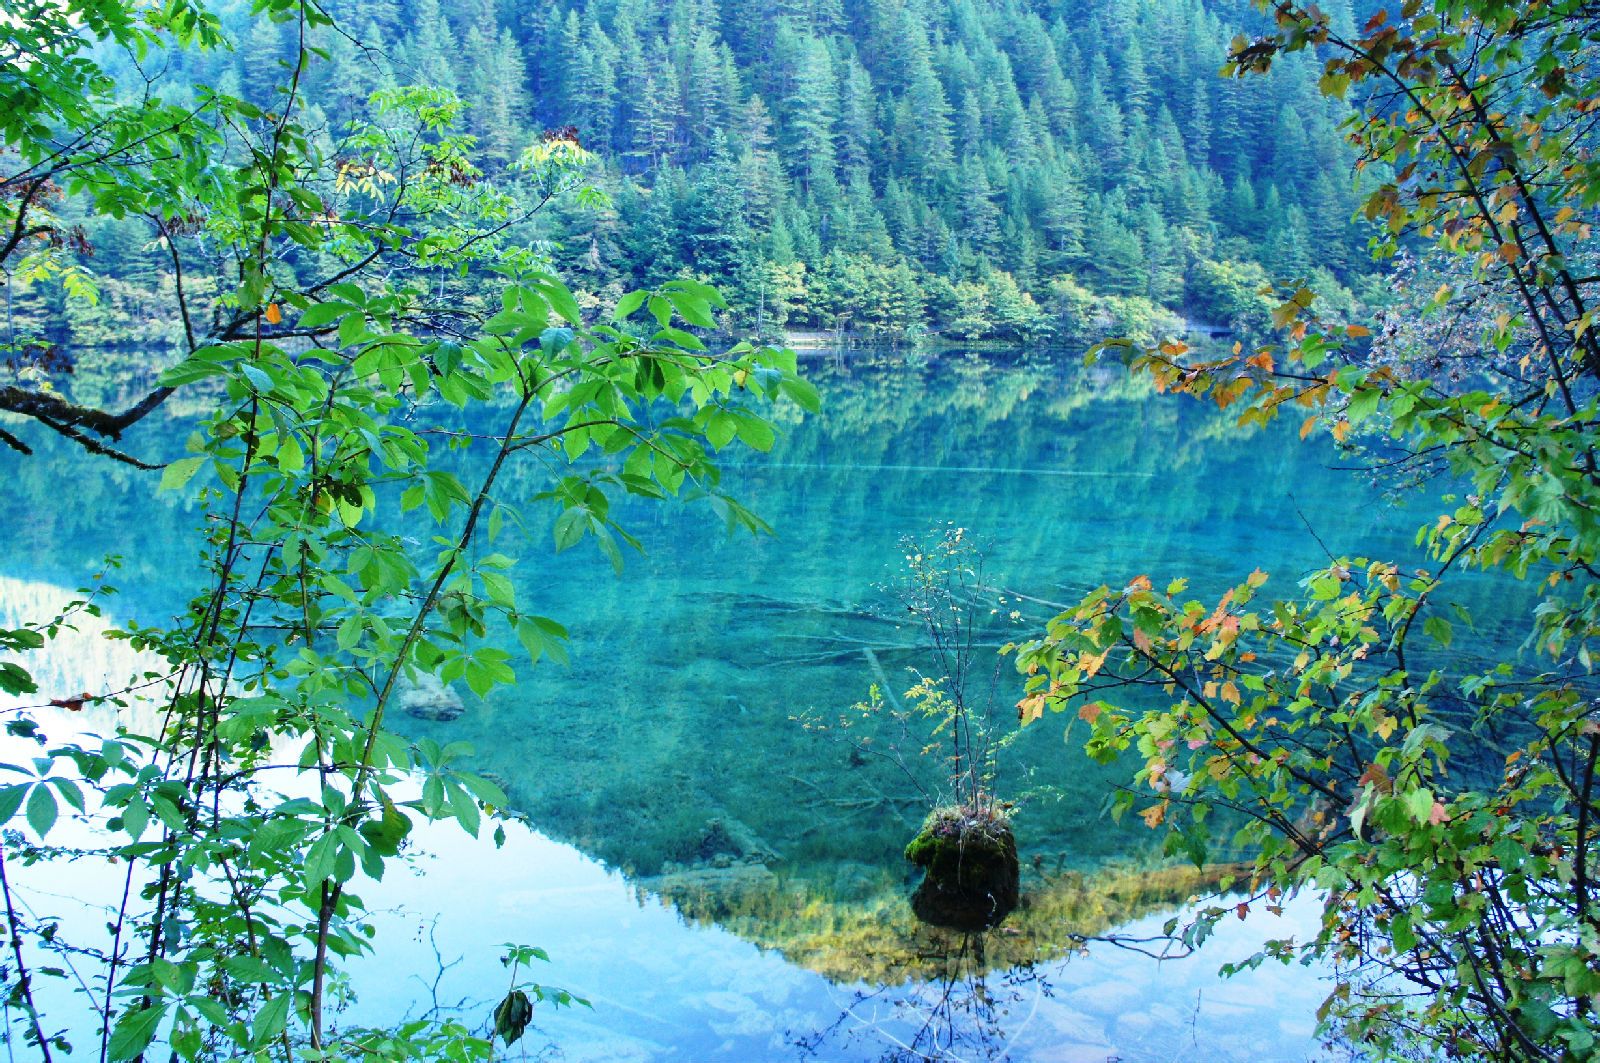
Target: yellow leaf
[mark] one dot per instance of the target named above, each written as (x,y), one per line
(1256,578)
(1386,727)
(1341,430)
(1308,425)
(1229,693)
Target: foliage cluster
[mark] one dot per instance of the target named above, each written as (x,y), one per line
(1430,772)
(249,784)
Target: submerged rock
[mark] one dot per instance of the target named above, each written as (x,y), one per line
(973,877)
(429,698)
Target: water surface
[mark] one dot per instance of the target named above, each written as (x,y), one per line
(725,882)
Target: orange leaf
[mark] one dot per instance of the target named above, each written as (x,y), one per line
(1229,693)
(1256,578)
(1357,331)
(1341,430)
(1376,776)
(1308,425)
(274,315)
(1155,815)
(1091,711)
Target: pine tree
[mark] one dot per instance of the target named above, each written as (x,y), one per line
(703,89)
(262,62)
(808,109)
(430,47)
(979,216)
(594,106)
(857,117)
(494,90)
(923,127)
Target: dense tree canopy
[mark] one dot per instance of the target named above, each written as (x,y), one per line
(919,146)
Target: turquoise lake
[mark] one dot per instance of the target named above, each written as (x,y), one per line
(721,878)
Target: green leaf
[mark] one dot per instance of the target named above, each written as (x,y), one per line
(687,340)
(628,305)
(484,790)
(500,589)
(321,314)
(1364,404)
(14,679)
(1439,628)
(561,300)
(135,818)
(757,433)
(693,309)
(318,864)
(41,809)
(465,809)
(181,472)
(721,428)
(386,834)
(258,377)
(134,1031)
(1420,804)
(270,1020)
(802,393)
(570,527)
(512,1015)
(10,800)
(555,340)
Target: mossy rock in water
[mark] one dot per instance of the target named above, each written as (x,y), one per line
(973,876)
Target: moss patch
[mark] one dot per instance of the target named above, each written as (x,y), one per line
(972,880)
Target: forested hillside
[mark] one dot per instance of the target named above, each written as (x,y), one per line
(1011,169)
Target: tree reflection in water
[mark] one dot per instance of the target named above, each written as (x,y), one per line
(964,1011)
